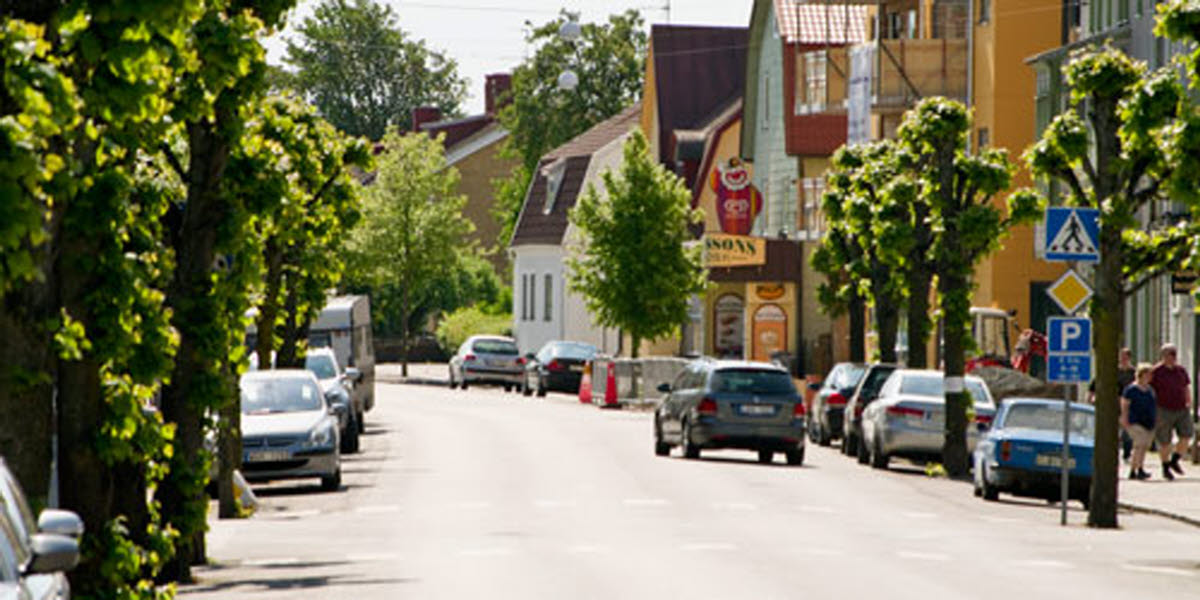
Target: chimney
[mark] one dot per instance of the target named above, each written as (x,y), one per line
(424,114)
(495,93)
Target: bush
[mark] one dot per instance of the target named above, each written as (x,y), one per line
(463,323)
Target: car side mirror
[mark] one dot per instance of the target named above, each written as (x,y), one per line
(814,387)
(60,522)
(664,388)
(354,374)
(52,554)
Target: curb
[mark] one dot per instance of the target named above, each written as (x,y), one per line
(1158,512)
(413,381)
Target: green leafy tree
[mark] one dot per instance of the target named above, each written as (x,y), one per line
(839,294)
(1130,138)
(609,60)
(412,233)
(364,73)
(960,189)
(632,268)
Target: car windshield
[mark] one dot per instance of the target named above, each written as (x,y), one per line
(753,381)
(577,351)
(847,376)
(931,385)
(978,394)
(279,395)
(495,347)
(321,365)
(1042,417)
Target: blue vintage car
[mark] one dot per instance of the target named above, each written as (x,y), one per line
(1022,454)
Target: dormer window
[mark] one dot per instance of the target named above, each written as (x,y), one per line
(553,173)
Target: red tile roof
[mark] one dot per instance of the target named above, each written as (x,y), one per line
(803,23)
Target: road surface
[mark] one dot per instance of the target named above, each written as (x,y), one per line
(463,494)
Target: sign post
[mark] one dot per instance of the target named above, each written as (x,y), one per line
(1068,360)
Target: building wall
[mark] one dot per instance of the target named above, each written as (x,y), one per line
(1004,87)
(533,326)
(822,346)
(774,171)
(477,172)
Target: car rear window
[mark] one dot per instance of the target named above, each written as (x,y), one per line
(875,380)
(1042,417)
(321,365)
(576,351)
(279,395)
(931,385)
(847,376)
(753,381)
(495,347)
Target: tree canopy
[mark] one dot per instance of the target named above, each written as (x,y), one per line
(364,73)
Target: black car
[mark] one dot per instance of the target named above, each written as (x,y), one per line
(866,392)
(557,366)
(825,422)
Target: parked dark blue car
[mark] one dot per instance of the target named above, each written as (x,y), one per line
(1022,454)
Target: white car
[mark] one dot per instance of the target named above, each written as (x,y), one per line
(907,420)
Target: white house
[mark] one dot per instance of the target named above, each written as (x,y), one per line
(543,308)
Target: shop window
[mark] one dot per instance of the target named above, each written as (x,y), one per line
(729,316)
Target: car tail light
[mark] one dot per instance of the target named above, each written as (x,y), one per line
(469,358)
(1006,451)
(707,407)
(554,365)
(520,360)
(836,399)
(904,411)
(798,411)
(984,419)
(858,409)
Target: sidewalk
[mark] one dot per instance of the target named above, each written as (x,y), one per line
(418,373)
(1179,499)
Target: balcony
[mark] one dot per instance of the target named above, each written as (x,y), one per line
(904,71)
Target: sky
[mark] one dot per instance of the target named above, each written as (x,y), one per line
(488,36)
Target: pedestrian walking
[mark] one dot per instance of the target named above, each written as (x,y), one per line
(1138,407)
(1173,417)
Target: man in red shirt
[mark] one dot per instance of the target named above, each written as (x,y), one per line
(1174,416)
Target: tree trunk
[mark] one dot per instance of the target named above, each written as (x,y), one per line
(26,409)
(955,292)
(288,356)
(858,329)
(1107,321)
(887,326)
(230,455)
(404,317)
(919,323)
(268,309)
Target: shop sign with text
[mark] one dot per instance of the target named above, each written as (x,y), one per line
(734,250)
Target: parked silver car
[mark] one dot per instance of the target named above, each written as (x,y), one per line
(34,555)
(338,387)
(907,420)
(487,359)
(731,404)
(288,429)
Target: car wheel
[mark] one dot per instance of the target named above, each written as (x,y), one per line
(861,452)
(525,391)
(850,445)
(987,490)
(350,440)
(661,448)
(463,384)
(507,388)
(1086,502)
(362,423)
(541,390)
(879,460)
(453,384)
(765,456)
(795,457)
(331,483)
(690,450)
(823,437)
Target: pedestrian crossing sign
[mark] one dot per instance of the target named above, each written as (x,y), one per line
(1072,234)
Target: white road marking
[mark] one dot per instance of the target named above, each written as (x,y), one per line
(486,552)
(935,556)
(270,562)
(739,506)
(292,514)
(822,552)
(587,549)
(382,508)
(373,557)
(645,502)
(552,503)
(1159,570)
(1043,564)
(709,547)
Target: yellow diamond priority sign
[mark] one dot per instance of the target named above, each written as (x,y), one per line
(1070,292)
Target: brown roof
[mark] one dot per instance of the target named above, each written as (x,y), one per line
(534,225)
(458,130)
(697,71)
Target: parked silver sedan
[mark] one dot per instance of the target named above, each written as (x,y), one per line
(487,359)
(288,429)
(908,418)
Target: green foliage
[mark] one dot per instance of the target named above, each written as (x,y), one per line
(364,73)
(463,323)
(632,266)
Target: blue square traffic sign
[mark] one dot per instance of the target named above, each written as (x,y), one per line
(1069,368)
(1069,335)
(1072,234)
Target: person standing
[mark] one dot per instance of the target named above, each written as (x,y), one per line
(1138,406)
(1173,389)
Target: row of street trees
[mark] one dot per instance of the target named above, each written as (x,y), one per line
(920,208)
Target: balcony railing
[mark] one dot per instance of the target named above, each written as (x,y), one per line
(907,70)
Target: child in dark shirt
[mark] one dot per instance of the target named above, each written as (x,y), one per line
(1138,403)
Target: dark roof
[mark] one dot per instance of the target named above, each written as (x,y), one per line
(697,71)
(458,130)
(534,225)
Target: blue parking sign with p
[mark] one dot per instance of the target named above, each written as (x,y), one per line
(1069,342)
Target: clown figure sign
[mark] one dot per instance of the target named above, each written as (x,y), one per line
(738,202)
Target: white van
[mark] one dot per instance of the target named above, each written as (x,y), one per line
(343,326)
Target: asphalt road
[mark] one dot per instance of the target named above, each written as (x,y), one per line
(478,493)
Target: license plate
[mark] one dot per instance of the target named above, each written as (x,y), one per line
(577,368)
(756,410)
(1053,460)
(268,456)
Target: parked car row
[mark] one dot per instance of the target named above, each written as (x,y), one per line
(495,360)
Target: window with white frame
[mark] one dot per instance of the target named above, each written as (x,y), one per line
(815,80)
(814,219)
